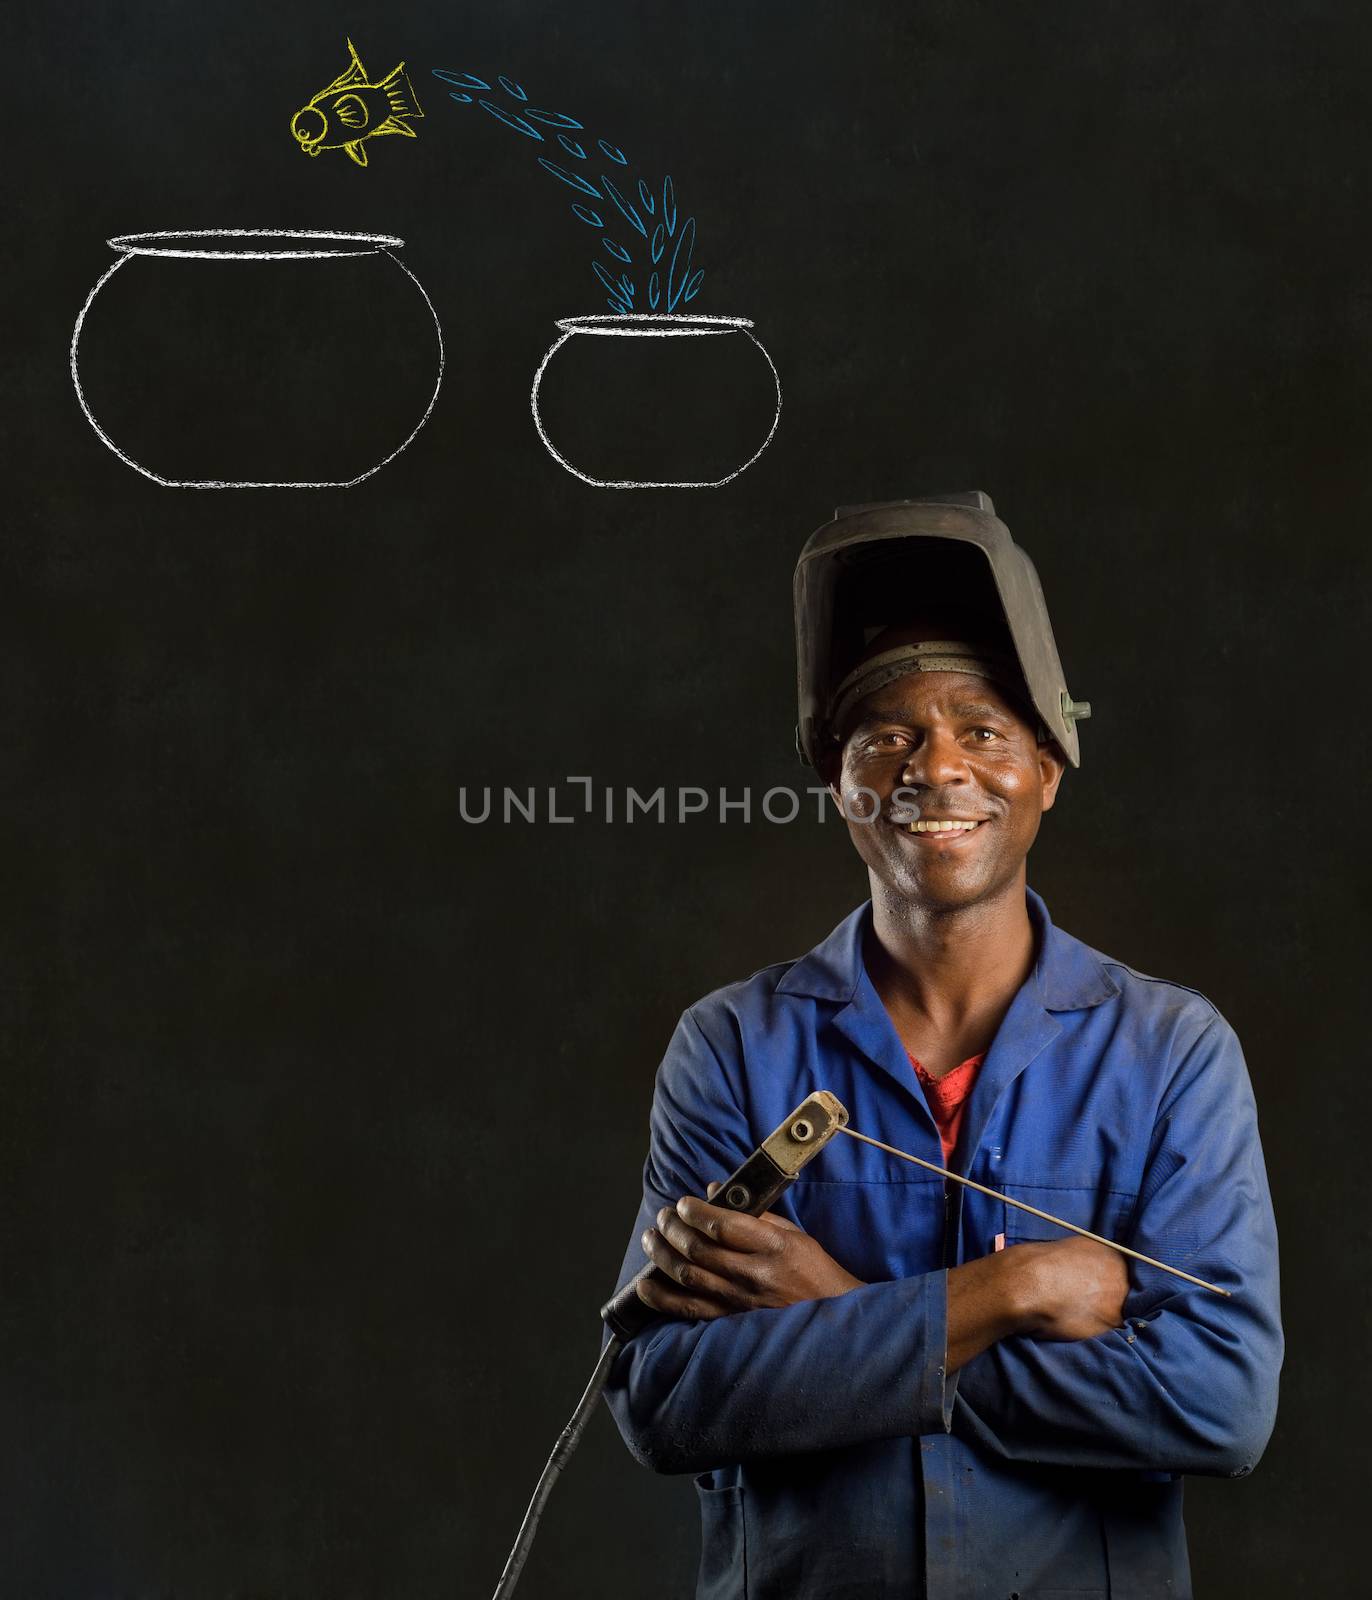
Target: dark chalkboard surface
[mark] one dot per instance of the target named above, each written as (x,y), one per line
(292,1051)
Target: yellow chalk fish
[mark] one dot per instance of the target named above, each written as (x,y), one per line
(352,109)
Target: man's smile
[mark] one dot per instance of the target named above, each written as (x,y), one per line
(939,830)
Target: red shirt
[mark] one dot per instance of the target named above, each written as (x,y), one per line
(947,1096)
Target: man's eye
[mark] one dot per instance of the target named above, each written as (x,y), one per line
(886,741)
(984,735)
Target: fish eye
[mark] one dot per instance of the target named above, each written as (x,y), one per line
(303,129)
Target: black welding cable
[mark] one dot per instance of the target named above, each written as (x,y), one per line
(562,1450)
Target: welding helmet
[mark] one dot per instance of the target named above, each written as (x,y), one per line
(947,557)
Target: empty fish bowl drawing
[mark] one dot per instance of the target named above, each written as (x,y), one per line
(257,358)
(656,401)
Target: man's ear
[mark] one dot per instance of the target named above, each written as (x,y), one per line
(1051,768)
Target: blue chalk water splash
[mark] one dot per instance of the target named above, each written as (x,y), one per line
(637,222)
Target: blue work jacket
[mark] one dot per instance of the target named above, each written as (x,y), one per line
(832,1454)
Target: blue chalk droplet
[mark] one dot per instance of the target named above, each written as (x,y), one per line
(615,155)
(659,241)
(645,197)
(693,287)
(669,205)
(569,177)
(654,291)
(554,119)
(463,99)
(630,215)
(511,120)
(571,147)
(586,214)
(512,88)
(681,263)
(463,80)
(616,250)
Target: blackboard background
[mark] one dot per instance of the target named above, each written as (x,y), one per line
(322,1111)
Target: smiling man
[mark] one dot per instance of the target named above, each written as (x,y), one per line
(893,1385)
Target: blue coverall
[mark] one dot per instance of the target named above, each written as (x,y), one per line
(832,1454)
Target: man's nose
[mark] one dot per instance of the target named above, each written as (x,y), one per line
(937,760)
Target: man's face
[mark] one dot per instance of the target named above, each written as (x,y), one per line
(957,748)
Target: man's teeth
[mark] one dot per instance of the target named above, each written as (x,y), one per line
(943,827)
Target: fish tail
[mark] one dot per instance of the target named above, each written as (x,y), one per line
(400,93)
(358,151)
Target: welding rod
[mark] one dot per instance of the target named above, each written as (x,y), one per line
(1021,1205)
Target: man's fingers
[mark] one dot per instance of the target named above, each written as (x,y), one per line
(693,1276)
(695,1246)
(664,1296)
(732,1229)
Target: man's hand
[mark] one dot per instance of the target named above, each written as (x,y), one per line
(1060,1289)
(1069,1288)
(718,1261)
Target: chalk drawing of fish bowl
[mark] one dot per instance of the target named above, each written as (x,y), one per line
(649,401)
(257,358)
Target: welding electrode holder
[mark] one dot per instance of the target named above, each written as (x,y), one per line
(752,1189)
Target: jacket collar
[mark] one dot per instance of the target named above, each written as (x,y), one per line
(1067,975)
